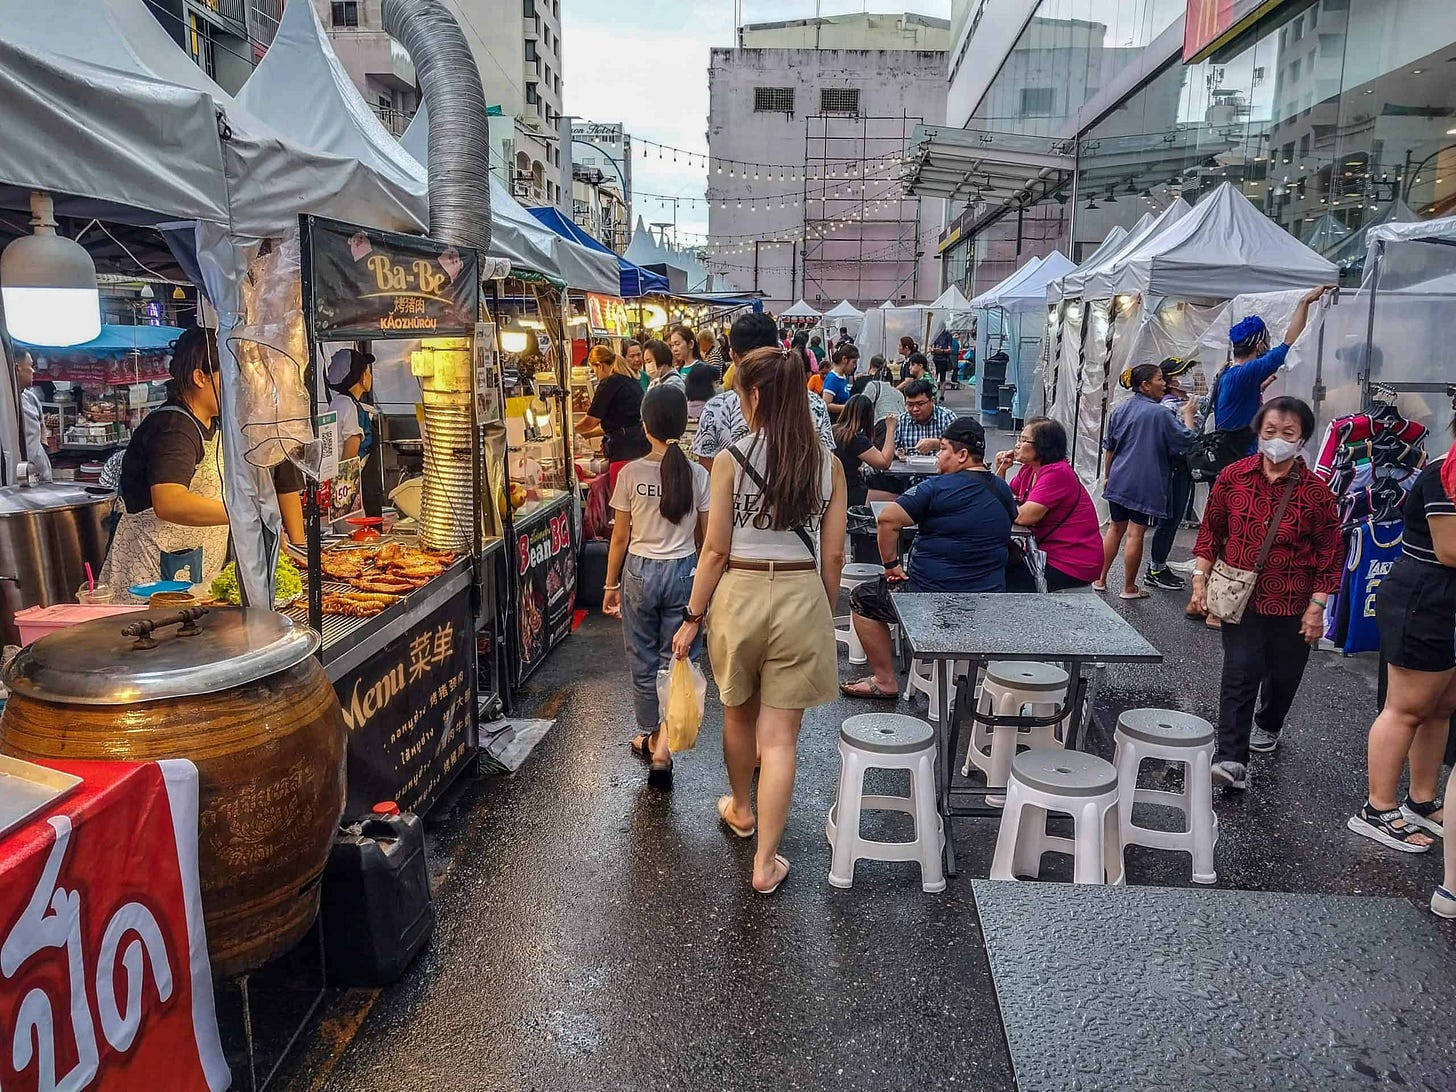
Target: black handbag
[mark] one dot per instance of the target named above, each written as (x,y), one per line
(1210,452)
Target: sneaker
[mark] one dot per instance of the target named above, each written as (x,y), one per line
(1443,903)
(1163,578)
(1230,775)
(1262,742)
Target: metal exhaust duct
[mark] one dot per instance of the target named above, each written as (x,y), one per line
(459,189)
(459,153)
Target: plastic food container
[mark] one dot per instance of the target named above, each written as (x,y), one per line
(36,622)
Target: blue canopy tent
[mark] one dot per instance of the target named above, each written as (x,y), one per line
(636,281)
(126,339)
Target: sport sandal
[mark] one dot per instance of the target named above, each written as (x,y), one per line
(1389,828)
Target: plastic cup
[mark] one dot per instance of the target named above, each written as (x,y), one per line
(101,593)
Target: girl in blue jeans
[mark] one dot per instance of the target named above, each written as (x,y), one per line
(661,505)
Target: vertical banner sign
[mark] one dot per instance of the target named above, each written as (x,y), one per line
(370,286)
(104,975)
(546,566)
(408,709)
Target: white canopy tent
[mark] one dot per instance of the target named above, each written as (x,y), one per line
(950,311)
(983,300)
(1070,286)
(1159,294)
(847,315)
(1224,247)
(885,326)
(799,310)
(103,109)
(1102,283)
(1013,319)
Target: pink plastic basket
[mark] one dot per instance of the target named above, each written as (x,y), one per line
(35,622)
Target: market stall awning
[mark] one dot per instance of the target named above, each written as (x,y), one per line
(799,310)
(124,339)
(635,281)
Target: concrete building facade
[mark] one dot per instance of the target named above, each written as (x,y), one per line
(806,147)
(601,166)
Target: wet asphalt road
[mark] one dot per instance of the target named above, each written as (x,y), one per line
(594,934)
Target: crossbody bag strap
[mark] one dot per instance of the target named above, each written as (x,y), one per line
(752,472)
(1274,526)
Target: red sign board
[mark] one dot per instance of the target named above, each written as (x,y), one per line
(1210,24)
(104,976)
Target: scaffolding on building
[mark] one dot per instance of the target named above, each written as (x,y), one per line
(861,229)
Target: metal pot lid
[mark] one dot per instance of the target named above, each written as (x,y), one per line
(95,663)
(16,500)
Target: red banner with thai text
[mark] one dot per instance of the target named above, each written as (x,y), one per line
(104,976)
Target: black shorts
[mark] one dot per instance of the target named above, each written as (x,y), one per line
(1415,610)
(889,483)
(872,601)
(1118,514)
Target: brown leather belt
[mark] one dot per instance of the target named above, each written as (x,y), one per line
(756,566)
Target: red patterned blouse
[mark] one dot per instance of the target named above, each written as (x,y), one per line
(1308,555)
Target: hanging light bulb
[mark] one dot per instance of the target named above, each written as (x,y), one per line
(48,284)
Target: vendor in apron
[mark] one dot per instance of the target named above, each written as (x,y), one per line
(173,524)
(350,376)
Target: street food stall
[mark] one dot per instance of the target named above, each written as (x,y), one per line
(545,521)
(390,593)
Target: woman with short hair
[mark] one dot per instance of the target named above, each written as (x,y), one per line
(615,413)
(1053,502)
(1265,652)
(658,360)
(769,568)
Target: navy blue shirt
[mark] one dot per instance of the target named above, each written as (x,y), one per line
(1142,435)
(964,526)
(1240,387)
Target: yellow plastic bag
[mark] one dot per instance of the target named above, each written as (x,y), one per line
(681,692)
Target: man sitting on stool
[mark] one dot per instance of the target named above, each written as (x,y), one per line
(963,517)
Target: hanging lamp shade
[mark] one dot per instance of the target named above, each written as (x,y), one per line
(48,284)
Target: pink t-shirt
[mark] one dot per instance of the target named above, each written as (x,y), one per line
(1069,532)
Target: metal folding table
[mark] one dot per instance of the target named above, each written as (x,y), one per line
(1077,629)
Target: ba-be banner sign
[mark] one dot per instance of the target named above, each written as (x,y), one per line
(104,978)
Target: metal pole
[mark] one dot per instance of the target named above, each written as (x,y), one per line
(1364,376)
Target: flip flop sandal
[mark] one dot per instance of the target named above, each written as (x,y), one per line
(1141,593)
(1096,586)
(871,692)
(724,803)
(641,745)
(770,890)
(659,776)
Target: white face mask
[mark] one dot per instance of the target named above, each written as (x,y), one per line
(1279,451)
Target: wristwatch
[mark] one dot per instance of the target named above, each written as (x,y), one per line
(689,616)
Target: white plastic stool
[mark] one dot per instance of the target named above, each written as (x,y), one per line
(1173,737)
(886,741)
(855,573)
(924,678)
(1012,689)
(1070,783)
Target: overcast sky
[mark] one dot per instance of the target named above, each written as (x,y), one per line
(645,63)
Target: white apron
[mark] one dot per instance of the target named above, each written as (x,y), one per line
(145,548)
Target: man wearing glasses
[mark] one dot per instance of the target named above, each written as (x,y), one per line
(918,432)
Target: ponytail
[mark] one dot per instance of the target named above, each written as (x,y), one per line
(665,418)
(677,484)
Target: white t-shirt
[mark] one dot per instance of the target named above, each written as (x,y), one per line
(639,491)
(348,412)
(751,536)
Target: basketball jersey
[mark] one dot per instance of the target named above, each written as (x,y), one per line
(1374,548)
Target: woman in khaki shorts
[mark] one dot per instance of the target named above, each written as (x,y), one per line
(776,501)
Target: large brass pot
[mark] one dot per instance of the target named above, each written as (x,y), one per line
(246,701)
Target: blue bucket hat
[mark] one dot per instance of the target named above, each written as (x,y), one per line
(1247,330)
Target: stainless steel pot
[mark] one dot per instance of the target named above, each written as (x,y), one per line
(47,534)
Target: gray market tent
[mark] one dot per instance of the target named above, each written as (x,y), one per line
(104,110)
(529,245)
